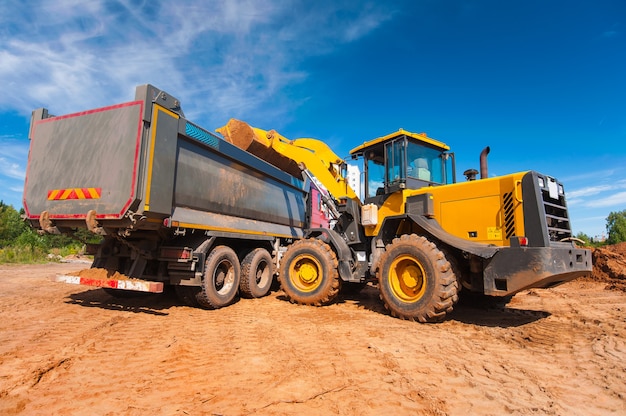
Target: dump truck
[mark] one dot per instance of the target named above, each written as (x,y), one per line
(216,216)
(175,204)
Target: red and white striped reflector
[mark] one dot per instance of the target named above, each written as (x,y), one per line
(136,285)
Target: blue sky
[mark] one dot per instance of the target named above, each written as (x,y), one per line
(542,82)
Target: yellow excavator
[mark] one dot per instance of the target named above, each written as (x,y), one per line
(422,237)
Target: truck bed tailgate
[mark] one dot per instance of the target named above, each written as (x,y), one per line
(84,161)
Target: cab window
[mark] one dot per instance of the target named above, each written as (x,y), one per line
(425,163)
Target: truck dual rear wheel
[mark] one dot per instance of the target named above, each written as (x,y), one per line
(308,273)
(220,282)
(257,271)
(416,280)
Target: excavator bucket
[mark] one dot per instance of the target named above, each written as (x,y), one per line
(259,143)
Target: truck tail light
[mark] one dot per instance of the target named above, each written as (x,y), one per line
(176,253)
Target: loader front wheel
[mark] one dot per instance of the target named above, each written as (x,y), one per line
(220,282)
(257,270)
(416,281)
(308,273)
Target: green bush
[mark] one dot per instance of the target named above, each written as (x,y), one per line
(24,254)
(19,243)
(616,227)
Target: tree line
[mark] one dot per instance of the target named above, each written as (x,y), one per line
(21,243)
(615,229)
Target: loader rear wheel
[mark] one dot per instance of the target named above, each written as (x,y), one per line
(416,280)
(257,270)
(220,281)
(308,273)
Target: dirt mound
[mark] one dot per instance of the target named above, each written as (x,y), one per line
(609,266)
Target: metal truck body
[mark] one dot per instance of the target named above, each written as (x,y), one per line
(163,192)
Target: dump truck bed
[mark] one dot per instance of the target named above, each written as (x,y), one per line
(142,161)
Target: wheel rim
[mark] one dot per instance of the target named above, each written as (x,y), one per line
(262,274)
(224,277)
(407,278)
(305,273)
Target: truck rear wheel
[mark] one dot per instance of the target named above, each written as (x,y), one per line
(220,281)
(257,270)
(308,273)
(416,281)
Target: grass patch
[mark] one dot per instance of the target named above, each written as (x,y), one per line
(24,254)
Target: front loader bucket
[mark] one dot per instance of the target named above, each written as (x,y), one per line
(259,143)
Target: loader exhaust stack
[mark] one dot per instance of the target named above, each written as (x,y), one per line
(484,172)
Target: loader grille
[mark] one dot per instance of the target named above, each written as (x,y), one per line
(546,218)
(557,217)
(509,217)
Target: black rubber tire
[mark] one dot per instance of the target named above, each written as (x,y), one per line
(188,295)
(416,281)
(257,273)
(308,273)
(220,282)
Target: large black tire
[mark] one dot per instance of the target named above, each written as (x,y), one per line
(257,272)
(416,281)
(220,282)
(308,273)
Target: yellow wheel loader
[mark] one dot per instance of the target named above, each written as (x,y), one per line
(423,237)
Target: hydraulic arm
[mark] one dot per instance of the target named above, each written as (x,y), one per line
(292,156)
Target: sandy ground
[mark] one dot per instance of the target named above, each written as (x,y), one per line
(72,350)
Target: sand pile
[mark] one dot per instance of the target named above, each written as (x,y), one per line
(609,266)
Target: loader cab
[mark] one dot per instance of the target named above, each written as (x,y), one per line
(404,160)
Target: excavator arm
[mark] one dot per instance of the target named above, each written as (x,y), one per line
(292,156)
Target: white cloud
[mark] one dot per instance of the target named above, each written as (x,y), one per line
(599,195)
(609,201)
(12,169)
(588,191)
(221,58)
(225,58)
(596,189)
(583,176)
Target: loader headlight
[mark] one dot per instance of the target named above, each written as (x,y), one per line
(541,182)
